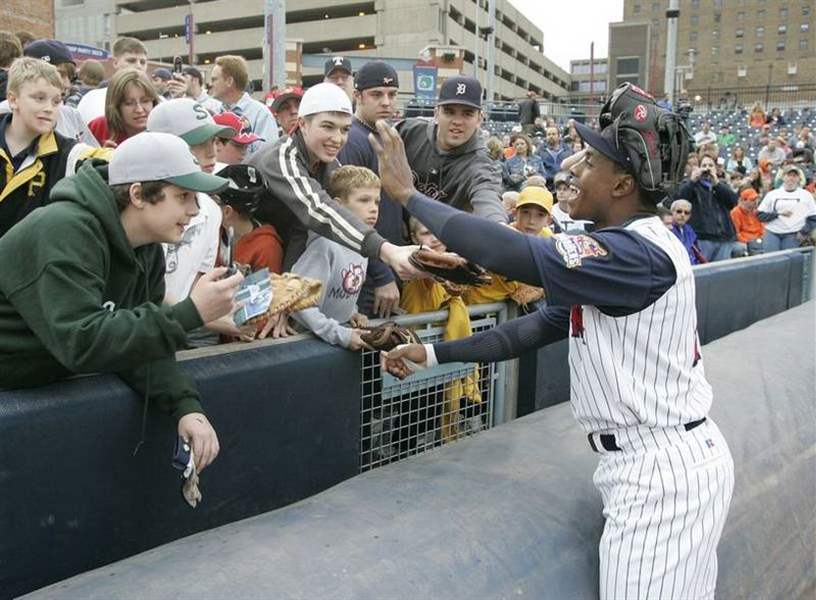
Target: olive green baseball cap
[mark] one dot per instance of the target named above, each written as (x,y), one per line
(187,119)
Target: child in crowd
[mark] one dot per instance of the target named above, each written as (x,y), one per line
(342,271)
(681,213)
(33,157)
(196,252)
(747,225)
(562,222)
(533,211)
(255,245)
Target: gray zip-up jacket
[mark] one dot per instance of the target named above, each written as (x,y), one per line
(296,200)
(465,177)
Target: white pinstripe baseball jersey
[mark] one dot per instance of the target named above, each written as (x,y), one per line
(643,369)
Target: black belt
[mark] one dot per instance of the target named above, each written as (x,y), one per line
(610,445)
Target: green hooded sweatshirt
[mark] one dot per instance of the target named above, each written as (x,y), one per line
(75,297)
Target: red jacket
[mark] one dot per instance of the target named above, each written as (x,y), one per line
(99,127)
(262,247)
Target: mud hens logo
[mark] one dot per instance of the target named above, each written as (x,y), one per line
(353,277)
(428,187)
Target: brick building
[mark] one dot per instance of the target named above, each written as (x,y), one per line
(36,16)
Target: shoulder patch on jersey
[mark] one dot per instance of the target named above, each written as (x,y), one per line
(574,248)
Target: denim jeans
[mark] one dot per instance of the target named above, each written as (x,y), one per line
(779,241)
(714,251)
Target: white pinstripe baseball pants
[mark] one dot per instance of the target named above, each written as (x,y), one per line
(666,497)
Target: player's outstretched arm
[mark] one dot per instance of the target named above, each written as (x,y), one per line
(506,341)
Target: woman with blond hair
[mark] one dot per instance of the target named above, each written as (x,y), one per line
(128,102)
(757,117)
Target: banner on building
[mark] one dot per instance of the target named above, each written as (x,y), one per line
(425,81)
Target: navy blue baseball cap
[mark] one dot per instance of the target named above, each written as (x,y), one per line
(605,142)
(461,90)
(51,51)
(336,62)
(163,74)
(375,73)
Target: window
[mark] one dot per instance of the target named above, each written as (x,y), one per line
(636,9)
(782,29)
(738,49)
(715,50)
(783,13)
(695,3)
(742,71)
(655,6)
(717,17)
(805,10)
(695,20)
(803,44)
(715,33)
(780,46)
(628,66)
(760,31)
(692,36)
(740,33)
(804,27)
(761,15)
(740,17)
(759,48)
(718,3)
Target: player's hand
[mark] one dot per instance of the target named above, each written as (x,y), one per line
(386,297)
(356,342)
(177,86)
(395,173)
(197,431)
(226,326)
(397,257)
(215,297)
(358,321)
(404,360)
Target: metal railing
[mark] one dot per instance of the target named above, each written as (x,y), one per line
(432,407)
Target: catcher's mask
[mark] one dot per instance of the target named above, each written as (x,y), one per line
(650,142)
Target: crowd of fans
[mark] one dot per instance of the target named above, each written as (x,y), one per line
(268,180)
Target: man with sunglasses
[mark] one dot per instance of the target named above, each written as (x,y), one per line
(624,297)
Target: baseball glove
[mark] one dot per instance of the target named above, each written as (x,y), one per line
(525,294)
(449,267)
(291,293)
(388,336)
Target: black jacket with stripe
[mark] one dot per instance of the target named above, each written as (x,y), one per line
(296,201)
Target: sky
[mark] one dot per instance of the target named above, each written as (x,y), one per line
(570,25)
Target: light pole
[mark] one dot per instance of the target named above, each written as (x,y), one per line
(274,46)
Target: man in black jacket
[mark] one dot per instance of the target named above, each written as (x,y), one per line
(528,112)
(712,201)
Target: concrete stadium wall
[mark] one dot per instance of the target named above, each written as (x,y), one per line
(512,513)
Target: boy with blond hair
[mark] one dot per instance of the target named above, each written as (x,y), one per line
(33,157)
(342,270)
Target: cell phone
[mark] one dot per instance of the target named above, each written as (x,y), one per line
(178,65)
(231,269)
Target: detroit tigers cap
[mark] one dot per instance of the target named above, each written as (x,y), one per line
(375,73)
(336,62)
(233,121)
(533,194)
(187,119)
(461,90)
(605,142)
(323,97)
(51,51)
(157,156)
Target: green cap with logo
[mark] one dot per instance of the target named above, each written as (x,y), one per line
(155,156)
(187,119)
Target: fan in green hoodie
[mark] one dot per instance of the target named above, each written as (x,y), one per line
(83,287)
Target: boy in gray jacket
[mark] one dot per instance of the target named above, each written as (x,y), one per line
(341,269)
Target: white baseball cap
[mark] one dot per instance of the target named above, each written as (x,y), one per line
(155,156)
(323,97)
(187,119)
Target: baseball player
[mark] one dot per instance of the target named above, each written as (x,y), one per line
(625,297)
